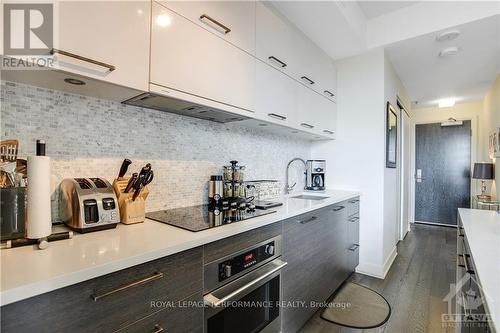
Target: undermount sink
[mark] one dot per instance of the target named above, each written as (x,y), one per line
(309,197)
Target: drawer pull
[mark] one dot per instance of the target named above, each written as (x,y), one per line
(354,219)
(158,329)
(466,264)
(337,208)
(313,218)
(354,247)
(78,57)
(354,201)
(214,21)
(328,132)
(281,63)
(306,125)
(276,116)
(155,276)
(305,78)
(329,93)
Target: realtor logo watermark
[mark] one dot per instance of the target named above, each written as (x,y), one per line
(469,303)
(28,33)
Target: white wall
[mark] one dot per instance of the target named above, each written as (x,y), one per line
(393,88)
(489,122)
(356,160)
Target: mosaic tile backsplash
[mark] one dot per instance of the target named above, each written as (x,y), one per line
(90,137)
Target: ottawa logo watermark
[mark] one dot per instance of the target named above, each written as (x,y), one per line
(466,305)
(28,36)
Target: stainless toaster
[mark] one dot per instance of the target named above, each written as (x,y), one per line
(88,204)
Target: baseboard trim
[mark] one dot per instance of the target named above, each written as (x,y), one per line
(378,271)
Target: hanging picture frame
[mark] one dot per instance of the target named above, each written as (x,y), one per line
(391,137)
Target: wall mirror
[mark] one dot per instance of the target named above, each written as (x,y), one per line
(391,137)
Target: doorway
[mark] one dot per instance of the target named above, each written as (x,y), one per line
(442,171)
(405,161)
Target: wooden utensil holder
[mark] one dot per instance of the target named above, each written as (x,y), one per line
(130,211)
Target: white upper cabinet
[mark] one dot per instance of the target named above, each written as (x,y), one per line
(276,96)
(188,58)
(233,21)
(315,114)
(105,40)
(275,40)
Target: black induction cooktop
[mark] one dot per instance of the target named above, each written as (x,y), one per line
(202,217)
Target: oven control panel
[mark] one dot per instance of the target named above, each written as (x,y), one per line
(239,263)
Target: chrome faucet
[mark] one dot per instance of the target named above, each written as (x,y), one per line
(289,188)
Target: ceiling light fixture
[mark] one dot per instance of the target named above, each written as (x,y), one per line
(447,35)
(449,51)
(446,103)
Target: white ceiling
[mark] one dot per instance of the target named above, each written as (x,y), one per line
(373,9)
(466,76)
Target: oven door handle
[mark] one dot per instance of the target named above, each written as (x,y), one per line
(213,301)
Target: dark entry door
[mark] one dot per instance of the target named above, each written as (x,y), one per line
(442,177)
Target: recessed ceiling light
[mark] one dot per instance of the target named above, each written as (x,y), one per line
(449,51)
(447,35)
(446,102)
(76,82)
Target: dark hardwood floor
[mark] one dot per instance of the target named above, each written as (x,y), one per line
(415,286)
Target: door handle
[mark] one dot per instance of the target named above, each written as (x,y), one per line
(305,78)
(276,116)
(354,219)
(329,93)
(354,247)
(214,21)
(281,63)
(153,277)
(306,125)
(336,209)
(158,329)
(313,218)
(79,57)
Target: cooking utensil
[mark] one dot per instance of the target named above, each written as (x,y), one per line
(10,169)
(131,182)
(8,150)
(123,169)
(146,179)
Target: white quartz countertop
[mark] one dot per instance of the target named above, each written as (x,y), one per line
(27,272)
(482,229)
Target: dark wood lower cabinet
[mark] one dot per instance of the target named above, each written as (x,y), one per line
(184,316)
(316,247)
(101,304)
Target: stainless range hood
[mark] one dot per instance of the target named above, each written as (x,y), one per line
(173,101)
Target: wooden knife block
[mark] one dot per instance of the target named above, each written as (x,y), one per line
(130,211)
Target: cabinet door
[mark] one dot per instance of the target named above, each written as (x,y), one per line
(233,21)
(189,59)
(105,40)
(327,111)
(275,95)
(308,110)
(275,40)
(353,241)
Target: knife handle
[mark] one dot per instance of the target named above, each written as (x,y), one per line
(136,193)
(131,182)
(123,169)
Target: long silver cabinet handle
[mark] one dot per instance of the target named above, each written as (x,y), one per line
(329,93)
(158,329)
(354,247)
(214,302)
(354,201)
(153,277)
(337,208)
(214,21)
(354,219)
(312,218)
(306,125)
(281,63)
(78,57)
(276,116)
(328,132)
(305,78)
